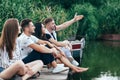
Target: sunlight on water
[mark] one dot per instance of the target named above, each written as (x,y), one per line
(106,76)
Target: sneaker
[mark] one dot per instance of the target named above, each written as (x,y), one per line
(75,63)
(51,69)
(17,77)
(62,65)
(59,69)
(1,79)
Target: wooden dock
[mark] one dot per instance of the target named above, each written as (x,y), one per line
(45,75)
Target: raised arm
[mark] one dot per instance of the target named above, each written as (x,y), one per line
(68,23)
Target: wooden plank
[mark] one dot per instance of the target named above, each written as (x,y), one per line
(45,75)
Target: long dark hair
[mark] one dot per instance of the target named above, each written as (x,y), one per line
(9,34)
(38,30)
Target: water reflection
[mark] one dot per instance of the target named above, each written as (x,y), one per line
(107,76)
(103,59)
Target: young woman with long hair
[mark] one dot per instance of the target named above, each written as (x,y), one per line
(10,59)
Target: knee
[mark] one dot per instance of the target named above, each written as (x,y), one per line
(59,55)
(20,64)
(41,62)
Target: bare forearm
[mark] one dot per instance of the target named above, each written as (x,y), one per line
(57,43)
(45,50)
(41,48)
(42,42)
(68,23)
(60,44)
(65,25)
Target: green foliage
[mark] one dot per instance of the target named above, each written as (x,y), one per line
(88,27)
(100,17)
(96,3)
(13,9)
(109,18)
(29,9)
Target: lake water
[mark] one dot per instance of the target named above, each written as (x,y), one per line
(103,59)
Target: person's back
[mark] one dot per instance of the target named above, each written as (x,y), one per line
(9,50)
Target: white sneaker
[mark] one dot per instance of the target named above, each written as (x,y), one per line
(75,63)
(51,69)
(59,69)
(62,65)
(1,79)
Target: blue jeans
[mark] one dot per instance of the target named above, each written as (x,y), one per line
(1,69)
(66,51)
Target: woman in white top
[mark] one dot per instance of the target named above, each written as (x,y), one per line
(10,59)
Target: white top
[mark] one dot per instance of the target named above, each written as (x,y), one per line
(5,62)
(54,33)
(24,41)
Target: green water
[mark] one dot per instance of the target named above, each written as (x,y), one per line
(103,59)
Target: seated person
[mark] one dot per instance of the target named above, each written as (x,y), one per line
(51,36)
(39,33)
(33,48)
(50,31)
(10,57)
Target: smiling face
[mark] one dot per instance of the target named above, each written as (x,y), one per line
(50,24)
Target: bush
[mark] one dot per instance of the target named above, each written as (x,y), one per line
(109,18)
(100,17)
(34,10)
(15,9)
(88,27)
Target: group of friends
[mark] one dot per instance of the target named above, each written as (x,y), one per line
(26,47)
